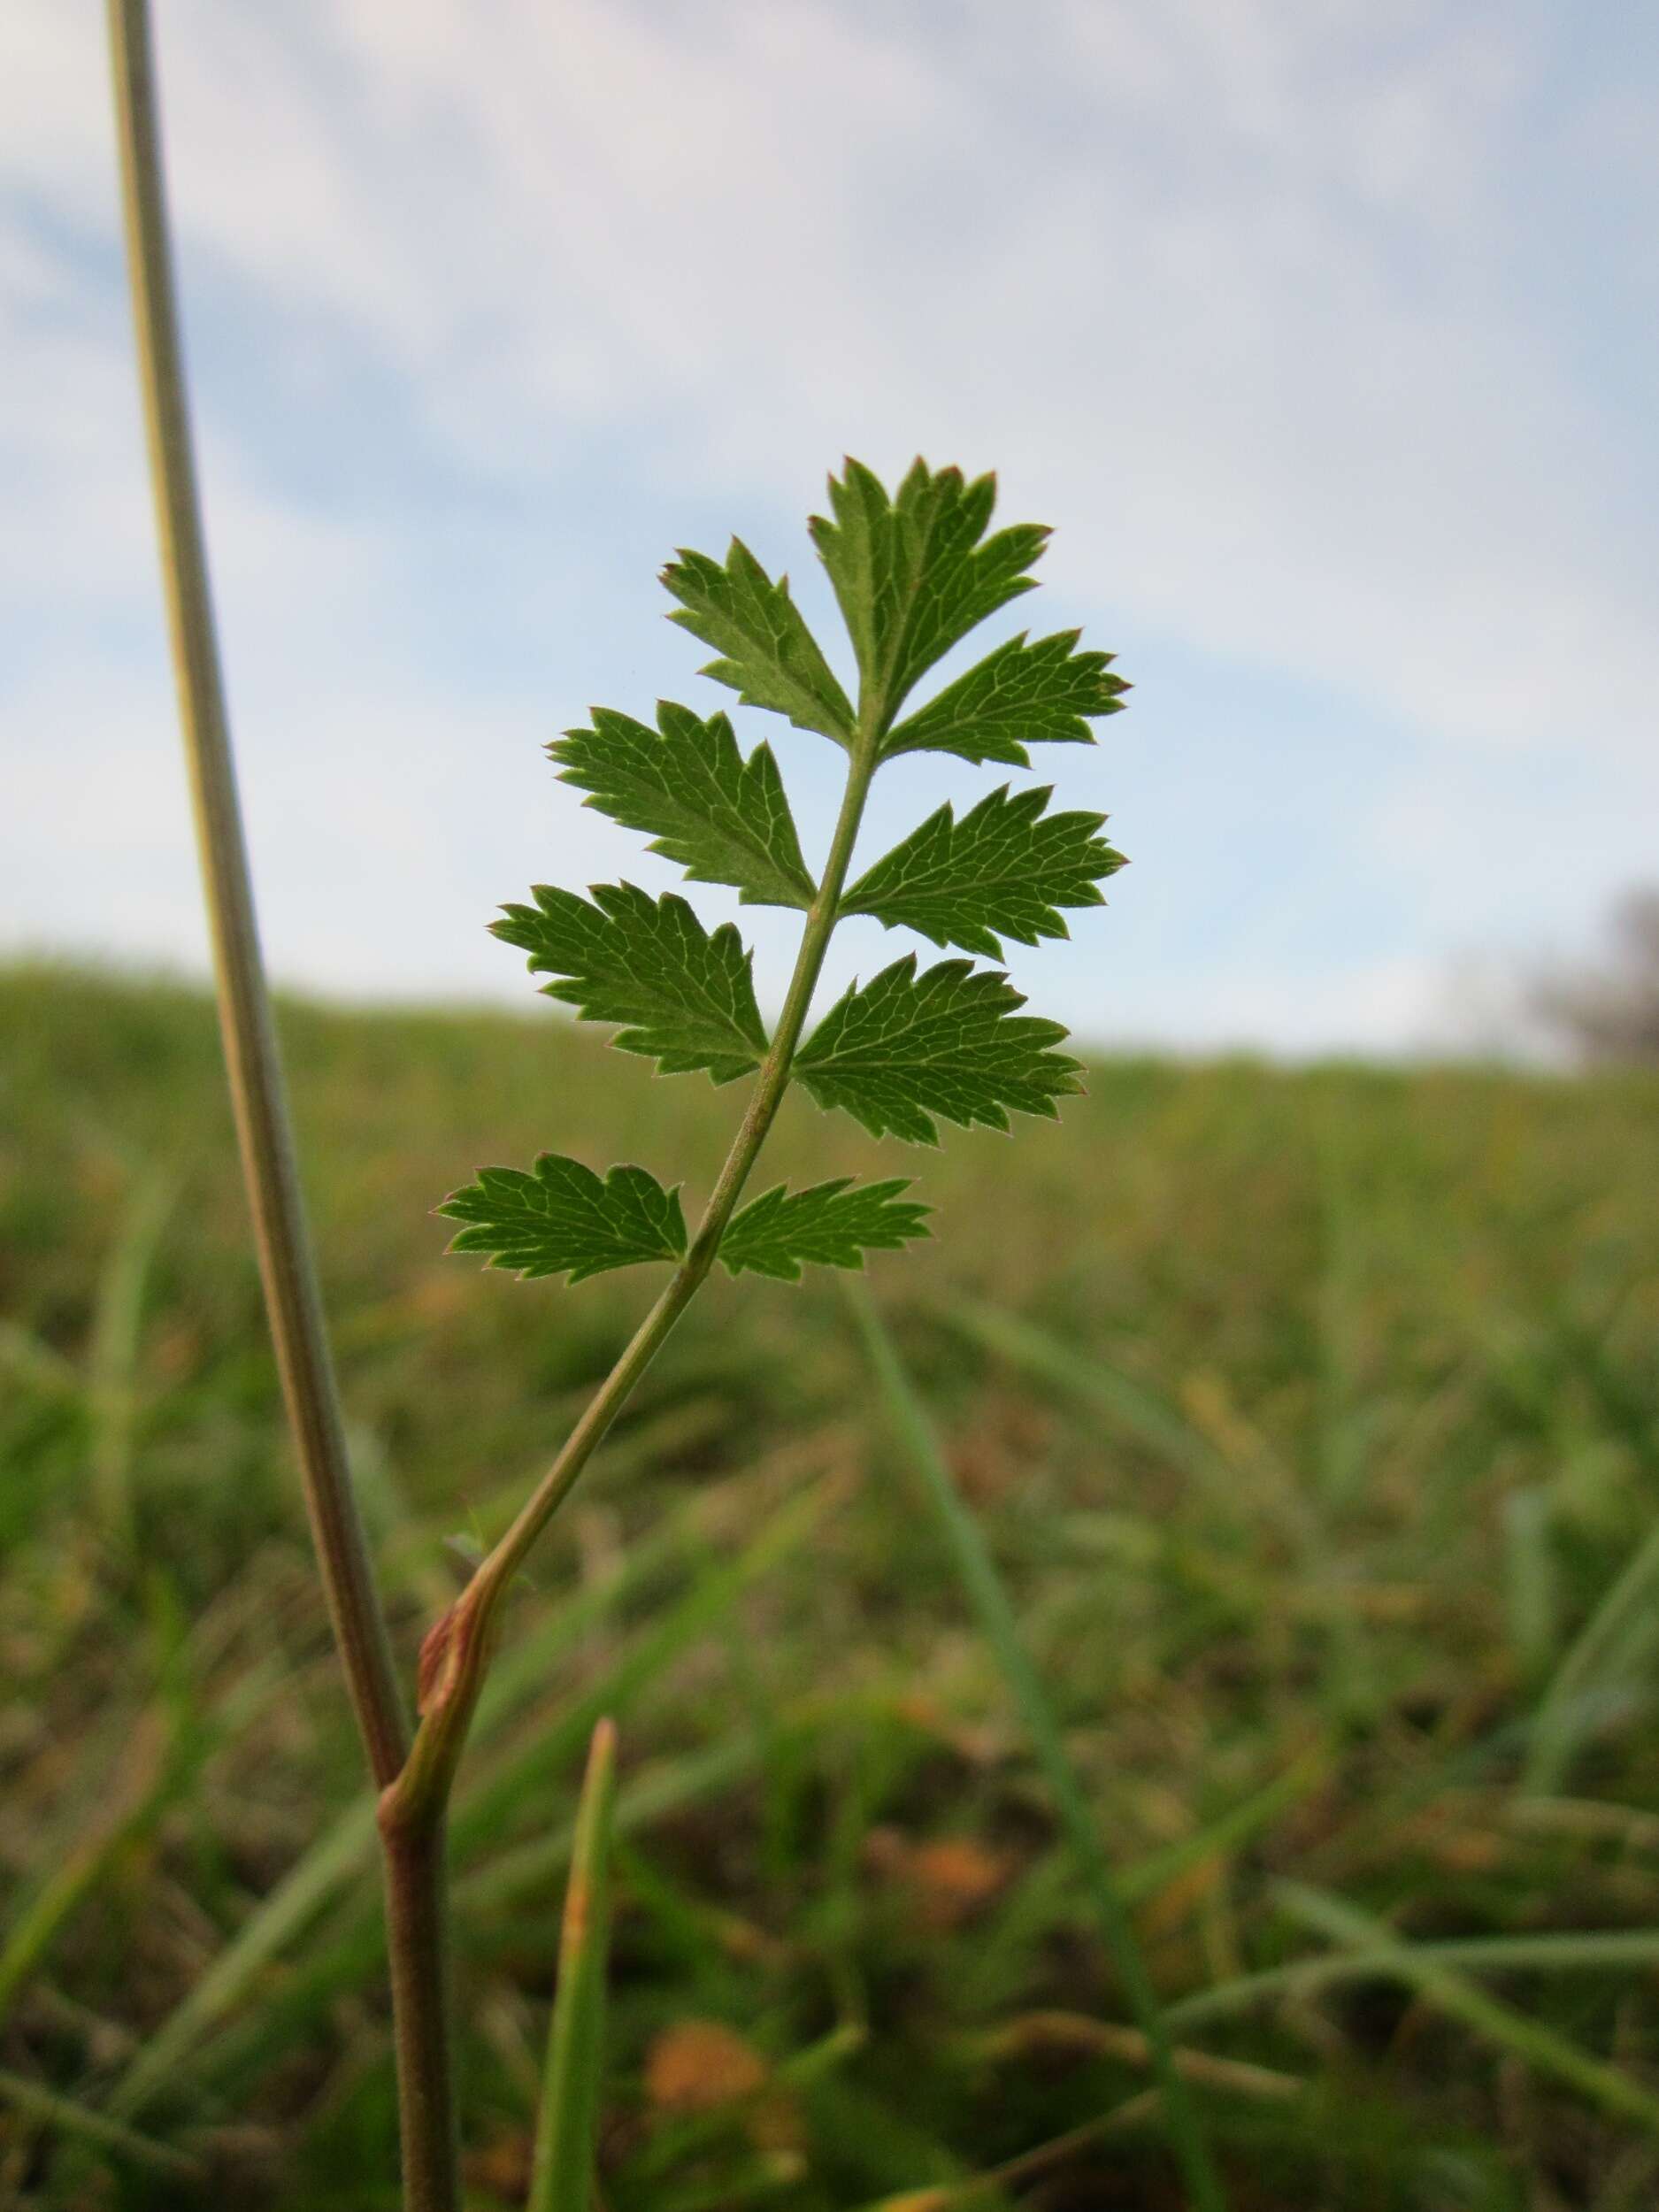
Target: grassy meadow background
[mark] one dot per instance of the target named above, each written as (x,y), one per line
(1313,1417)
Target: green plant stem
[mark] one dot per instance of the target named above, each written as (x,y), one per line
(418,1951)
(457,1651)
(258,1096)
(459,1648)
(414,1871)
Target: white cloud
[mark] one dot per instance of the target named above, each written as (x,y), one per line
(1223,286)
(1236,294)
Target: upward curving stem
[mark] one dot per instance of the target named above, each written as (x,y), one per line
(456,1657)
(458,1652)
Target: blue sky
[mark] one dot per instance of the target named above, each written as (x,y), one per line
(1326,337)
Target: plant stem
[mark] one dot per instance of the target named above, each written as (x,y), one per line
(414,1783)
(263,1129)
(414,1865)
(418,1949)
(457,1654)
(459,1650)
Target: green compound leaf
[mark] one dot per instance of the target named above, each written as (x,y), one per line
(562,1218)
(688,998)
(831,1224)
(948,1042)
(1020,695)
(1006,866)
(911,573)
(767,654)
(723,818)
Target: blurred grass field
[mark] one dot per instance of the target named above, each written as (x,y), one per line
(1313,1417)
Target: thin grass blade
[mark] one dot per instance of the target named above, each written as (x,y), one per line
(988,1597)
(112,1388)
(1141,1411)
(1554,1736)
(1452,1992)
(64,2114)
(1591,1953)
(562,2176)
(138,1799)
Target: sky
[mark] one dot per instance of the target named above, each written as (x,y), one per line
(1325,336)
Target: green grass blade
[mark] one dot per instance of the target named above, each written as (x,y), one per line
(562,2176)
(1623,1948)
(117,1333)
(37,1363)
(1554,1732)
(67,2117)
(1452,1992)
(989,1599)
(1139,1410)
(74,1877)
(480,1809)
(346,1849)
(1045,1892)
(655,1793)
(1530,1596)
(126,1792)
(1228,1834)
(238,2054)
